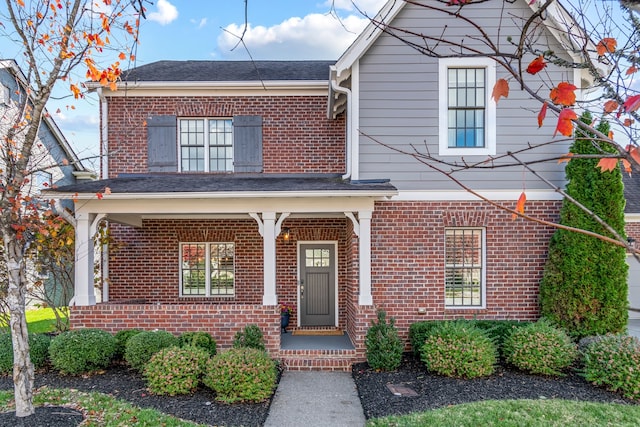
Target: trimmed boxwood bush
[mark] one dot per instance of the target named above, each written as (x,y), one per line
(241,375)
(82,350)
(540,348)
(614,361)
(176,370)
(38,351)
(419,331)
(142,346)
(122,337)
(459,349)
(499,330)
(250,337)
(199,339)
(383,344)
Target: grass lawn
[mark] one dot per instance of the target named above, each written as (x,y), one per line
(41,320)
(520,413)
(101,409)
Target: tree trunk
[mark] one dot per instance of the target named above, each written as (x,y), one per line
(23,372)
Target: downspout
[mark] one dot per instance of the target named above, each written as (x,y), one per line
(104,136)
(349,142)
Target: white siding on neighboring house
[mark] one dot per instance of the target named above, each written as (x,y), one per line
(634,287)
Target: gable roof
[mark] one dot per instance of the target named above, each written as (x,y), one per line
(12,67)
(227,71)
(557,15)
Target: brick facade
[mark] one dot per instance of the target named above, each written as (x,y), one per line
(297,135)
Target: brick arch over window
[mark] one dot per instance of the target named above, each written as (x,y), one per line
(466,218)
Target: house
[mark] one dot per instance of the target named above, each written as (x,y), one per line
(53,162)
(632,228)
(232,187)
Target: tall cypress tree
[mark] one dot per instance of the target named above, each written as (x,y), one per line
(584,285)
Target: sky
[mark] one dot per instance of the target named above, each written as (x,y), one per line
(209,30)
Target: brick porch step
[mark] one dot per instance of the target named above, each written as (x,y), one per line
(318,360)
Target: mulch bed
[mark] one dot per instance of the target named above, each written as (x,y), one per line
(434,391)
(126,384)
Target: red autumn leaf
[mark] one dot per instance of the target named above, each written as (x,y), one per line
(610,135)
(99,196)
(122,56)
(501,88)
(627,122)
(520,205)
(566,158)
(607,164)
(632,70)
(627,166)
(610,106)
(563,94)
(607,44)
(542,114)
(565,122)
(632,103)
(633,151)
(107,190)
(536,65)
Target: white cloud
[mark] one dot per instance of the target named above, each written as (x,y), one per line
(316,36)
(199,24)
(166,13)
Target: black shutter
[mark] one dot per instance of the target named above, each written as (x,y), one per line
(162,144)
(247,144)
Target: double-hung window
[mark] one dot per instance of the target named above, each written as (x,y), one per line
(206,145)
(464,267)
(467,114)
(207,269)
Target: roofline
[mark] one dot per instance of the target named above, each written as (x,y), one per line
(391,9)
(12,65)
(227,85)
(222,195)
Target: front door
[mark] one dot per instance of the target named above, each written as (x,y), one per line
(317,287)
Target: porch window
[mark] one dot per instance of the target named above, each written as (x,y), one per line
(464,267)
(206,145)
(207,269)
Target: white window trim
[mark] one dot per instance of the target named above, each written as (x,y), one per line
(207,283)
(4,95)
(207,145)
(483,275)
(490,125)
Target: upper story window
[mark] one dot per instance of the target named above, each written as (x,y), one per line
(206,145)
(42,180)
(464,267)
(467,115)
(4,95)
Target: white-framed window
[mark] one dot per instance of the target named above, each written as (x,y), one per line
(464,267)
(207,269)
(42,180)
(4,95)
(467,122)
(206,145)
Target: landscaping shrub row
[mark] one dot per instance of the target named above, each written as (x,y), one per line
(471,348)
(170,365)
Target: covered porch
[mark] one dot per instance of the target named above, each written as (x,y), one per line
(328,225)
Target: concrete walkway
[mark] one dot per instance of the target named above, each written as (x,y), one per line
(316,398)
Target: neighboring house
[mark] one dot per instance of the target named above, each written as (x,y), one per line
(632,219)
(232,187)
(53,162)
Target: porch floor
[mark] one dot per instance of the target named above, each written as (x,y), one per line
(313,342)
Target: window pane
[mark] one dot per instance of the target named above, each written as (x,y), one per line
(193,269)
(466,101)
(463,267)
(220,145)
(222,268)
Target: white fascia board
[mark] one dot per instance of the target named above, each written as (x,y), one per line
(228,206)
(461,195)
(632,217)
(368,36)
(223,195)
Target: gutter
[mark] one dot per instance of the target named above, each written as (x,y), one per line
(333,78)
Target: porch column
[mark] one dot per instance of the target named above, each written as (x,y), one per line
(364,248)
(269,240)
(84,292)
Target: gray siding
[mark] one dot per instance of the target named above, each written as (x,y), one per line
(399,106)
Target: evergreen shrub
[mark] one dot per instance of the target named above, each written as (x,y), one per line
(82,351)
(142,346)
(199,339)
(249,337)
(383,344)
(176,370)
